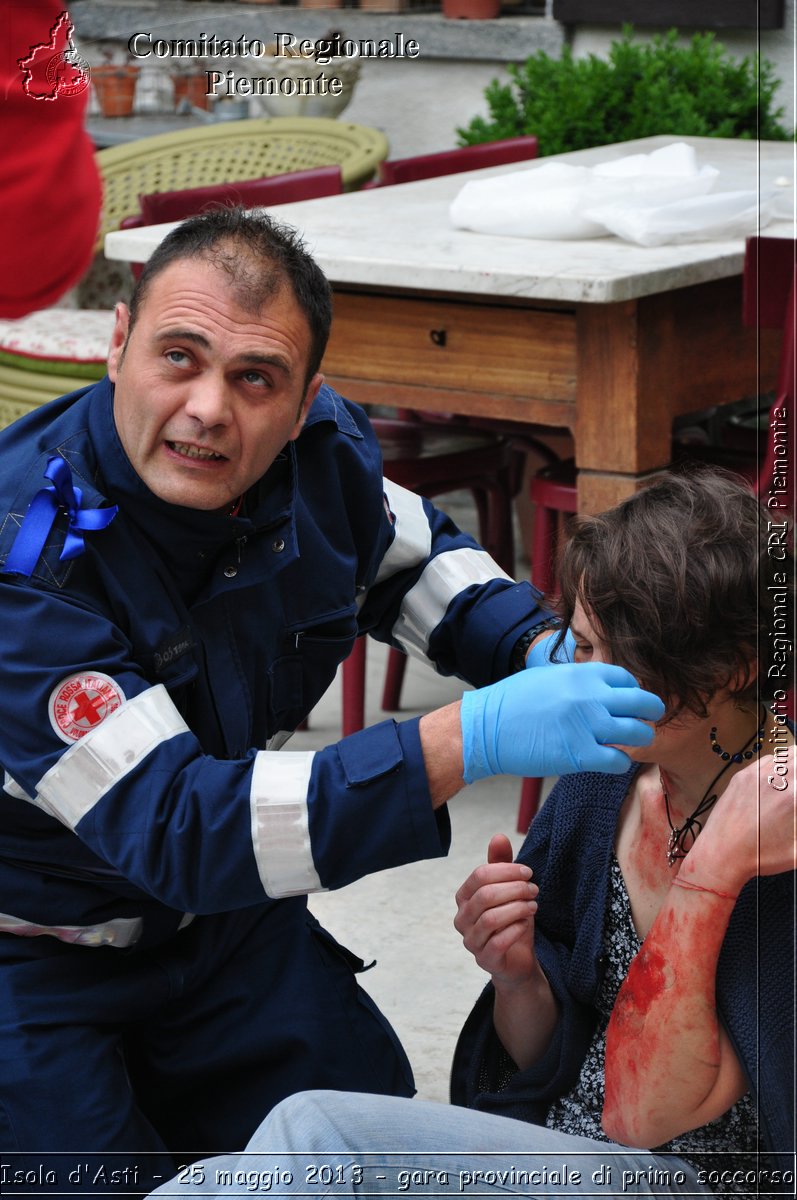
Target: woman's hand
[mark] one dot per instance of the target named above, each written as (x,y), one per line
(751,829)
(495,915)
(496,906)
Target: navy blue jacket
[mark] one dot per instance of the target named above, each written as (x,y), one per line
(569,849)
(149,682)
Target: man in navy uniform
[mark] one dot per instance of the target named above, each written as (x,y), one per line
(188,550)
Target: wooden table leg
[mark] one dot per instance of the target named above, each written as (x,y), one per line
(641,363)
(616,443)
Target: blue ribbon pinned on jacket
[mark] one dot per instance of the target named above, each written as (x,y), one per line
(61,496)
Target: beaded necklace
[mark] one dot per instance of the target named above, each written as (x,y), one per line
(677,846)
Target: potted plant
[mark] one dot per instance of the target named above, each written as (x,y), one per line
(302,83)
(471,10)
(190,81)
(640,89)
(114,86)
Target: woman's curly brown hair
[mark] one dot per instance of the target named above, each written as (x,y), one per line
(680,584)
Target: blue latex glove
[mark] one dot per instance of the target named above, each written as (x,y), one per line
(540,653)
(555,721)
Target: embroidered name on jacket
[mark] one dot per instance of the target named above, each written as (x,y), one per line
(173,648)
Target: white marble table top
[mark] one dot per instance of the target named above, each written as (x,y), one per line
(401,237)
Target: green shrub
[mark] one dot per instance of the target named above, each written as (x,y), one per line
(641,89)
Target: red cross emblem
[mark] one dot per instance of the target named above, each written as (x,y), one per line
(81,702)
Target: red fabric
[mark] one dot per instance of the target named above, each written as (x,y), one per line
(157,208)
(50,189)
(464,158)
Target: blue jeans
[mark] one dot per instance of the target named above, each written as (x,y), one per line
(328,1144)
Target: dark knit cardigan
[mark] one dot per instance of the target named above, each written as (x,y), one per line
(569,849)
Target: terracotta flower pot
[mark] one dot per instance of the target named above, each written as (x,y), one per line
(193,88)
(115,87)
(471,10)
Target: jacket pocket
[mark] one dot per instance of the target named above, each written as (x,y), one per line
(304,670)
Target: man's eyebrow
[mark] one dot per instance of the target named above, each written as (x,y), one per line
(252,358)
(183,335)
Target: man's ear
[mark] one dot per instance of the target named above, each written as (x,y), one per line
(118,340)
(310,394)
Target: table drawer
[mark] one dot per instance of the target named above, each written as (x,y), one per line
(522,352)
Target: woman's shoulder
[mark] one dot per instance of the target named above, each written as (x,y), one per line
(580,809)
(590,787)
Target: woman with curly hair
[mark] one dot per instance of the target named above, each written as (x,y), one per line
(637,1032)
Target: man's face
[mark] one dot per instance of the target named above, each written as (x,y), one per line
(207,393)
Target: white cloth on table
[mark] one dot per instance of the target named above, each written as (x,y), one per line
(650,199)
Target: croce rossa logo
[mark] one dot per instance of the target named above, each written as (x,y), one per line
(53,68)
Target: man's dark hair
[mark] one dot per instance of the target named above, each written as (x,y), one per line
(679,583)
(260,255)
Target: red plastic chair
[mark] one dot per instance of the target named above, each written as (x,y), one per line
(432,460)
(451,162)
(553,493)
(158,208)
(450,472)
(769,302)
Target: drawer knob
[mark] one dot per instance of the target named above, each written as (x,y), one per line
(438,336)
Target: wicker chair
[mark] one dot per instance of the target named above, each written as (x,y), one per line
(221,152)
(231,151)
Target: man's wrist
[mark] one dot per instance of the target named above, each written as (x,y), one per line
(524,643)
(441,744)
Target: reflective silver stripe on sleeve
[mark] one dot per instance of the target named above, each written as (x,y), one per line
(91,767)
(280,827)
(121,932)
(12,787)
(413,541)
(278,739)
(425,605)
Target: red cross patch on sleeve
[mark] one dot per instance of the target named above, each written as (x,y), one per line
(81,702)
